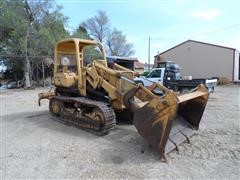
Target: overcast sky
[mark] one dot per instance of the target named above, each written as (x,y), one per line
(168,23)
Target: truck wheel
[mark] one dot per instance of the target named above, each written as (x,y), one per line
(139,82)
(184,90)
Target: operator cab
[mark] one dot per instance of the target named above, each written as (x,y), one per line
(71,56)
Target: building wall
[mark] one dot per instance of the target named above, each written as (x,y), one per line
(236,66)
(139,70)
(201,60)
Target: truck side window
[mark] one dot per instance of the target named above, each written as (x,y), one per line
(155,74)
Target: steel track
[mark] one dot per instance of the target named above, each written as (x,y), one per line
(78,119)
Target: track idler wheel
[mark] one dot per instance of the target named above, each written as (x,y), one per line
(55,106)
(97,116)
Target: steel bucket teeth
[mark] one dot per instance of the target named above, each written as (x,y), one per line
(166,122)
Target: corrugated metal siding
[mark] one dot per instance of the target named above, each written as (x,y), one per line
(201,60)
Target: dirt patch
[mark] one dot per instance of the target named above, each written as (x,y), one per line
(33,145)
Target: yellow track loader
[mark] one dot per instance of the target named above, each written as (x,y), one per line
(90,95)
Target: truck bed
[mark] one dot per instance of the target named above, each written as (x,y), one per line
(179,85)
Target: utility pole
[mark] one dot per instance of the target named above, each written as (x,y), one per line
(149,53)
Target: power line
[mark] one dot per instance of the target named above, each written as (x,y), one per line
(219,29)
(197,34)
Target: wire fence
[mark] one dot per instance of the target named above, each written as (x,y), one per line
(41,67)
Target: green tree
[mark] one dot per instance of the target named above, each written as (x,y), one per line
(117,44)
(81,33)
(30,28)
(51,29)
(16,28)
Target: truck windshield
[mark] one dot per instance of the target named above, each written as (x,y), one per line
(154,74)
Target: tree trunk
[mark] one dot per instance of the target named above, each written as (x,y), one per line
(27,73)
(27,68)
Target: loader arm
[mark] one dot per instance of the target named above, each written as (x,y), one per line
(164,121)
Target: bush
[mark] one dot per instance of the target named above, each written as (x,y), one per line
(223,81)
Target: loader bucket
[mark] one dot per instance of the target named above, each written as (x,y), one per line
(167,121)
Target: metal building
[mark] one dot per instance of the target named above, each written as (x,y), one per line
(203,60)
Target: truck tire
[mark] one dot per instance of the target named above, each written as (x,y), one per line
(184,90)
(139,82)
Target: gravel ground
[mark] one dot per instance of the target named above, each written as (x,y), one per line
(34,145)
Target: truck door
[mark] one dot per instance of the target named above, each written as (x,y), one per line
(156,76)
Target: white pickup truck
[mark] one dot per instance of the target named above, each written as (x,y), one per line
(170,77)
